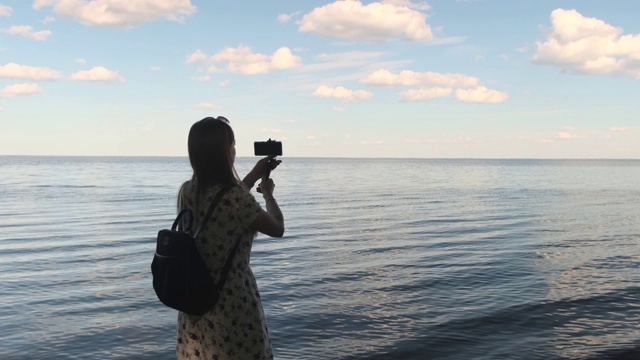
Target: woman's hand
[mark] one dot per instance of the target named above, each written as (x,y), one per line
(259,169)
(266,187)
(270,222)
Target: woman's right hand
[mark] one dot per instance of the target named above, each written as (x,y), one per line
(270,222)
(266,187)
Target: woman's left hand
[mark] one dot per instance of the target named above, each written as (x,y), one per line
(259,169)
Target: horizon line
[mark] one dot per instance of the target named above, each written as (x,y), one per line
(324,157)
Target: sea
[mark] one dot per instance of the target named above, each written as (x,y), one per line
(381,258)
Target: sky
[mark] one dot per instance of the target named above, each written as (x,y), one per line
(388,78)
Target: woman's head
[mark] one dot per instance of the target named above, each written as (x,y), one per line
(212,152)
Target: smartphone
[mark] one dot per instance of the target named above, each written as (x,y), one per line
(267,148)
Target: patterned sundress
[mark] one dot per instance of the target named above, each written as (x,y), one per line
(235,328)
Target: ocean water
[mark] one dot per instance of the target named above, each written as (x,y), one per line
(381,259)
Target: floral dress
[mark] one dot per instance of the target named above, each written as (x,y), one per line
(235,328)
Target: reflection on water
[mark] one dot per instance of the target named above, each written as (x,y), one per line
(595,273)
(382,259)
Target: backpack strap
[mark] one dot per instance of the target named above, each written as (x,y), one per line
(178,224)
(224,273)
(212,207)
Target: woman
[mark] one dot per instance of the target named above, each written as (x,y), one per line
(235,328)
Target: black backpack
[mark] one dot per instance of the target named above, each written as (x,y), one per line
(181,279)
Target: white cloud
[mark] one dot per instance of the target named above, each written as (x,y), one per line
(341,92)
(376,21)
(97,73)
(565,134)
(48,19)
(284,59)
(15,71)
(206,106)
(197,56)
(435,85)
(569,133)
(20,89)
(213,69)
(119,13)
(81,61)
(481,94)
(155,68)
(588,45)
(28,32)
(224,83)
(409,78)
(338,109)
(243,60)
(425,94)
(5,10)
(284,18)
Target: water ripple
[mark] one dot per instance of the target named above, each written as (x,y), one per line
(459,259)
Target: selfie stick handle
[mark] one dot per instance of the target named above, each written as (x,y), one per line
(267,171)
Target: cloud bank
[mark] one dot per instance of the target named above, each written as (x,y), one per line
(242,60)
(15,71)
(5,10)
(20,89)
(341,92)
(118,13)
(481,94)
(409,78)
(434,85)
(376,21)
(97,73)
(588,45)
(206,106)
(28,32)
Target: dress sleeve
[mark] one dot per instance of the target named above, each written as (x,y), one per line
(246,206)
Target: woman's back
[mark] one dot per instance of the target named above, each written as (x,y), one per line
(235,327)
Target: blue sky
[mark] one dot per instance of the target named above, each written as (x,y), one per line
(463,79)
